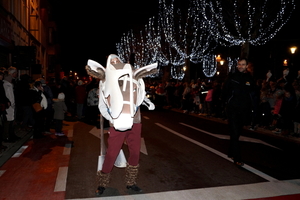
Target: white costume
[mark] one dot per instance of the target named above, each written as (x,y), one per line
(121,92)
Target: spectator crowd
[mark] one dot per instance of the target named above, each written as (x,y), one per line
(276,102)
(39,105)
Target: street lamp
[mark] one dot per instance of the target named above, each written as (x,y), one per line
(293,49)
(218,58)
(285,63)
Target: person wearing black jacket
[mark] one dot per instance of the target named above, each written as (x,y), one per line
(37,96)
(4,104)
(237,92)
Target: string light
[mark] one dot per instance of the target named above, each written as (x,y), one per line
(178,72)
(209,65)
(232,63)
(173,37)
(257,25)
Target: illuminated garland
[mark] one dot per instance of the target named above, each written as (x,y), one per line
(232,63)
(177,72)
(170,40)
(257,24)
(190,38)
(209,65)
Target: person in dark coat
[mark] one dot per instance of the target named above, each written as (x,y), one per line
(23,101)
(237,92)
(4,104)
(37,96)
(289,103)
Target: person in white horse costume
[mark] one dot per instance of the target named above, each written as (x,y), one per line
(121,92)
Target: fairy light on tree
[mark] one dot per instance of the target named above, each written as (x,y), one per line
(209,65)
(176,38)
(244,22)
(186,34)
(232,63)
(144,44)
(124,47)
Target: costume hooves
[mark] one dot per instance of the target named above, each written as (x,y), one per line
(99,191)
(134,188)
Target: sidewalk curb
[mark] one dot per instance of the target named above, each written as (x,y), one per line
(14,147)
(258,130)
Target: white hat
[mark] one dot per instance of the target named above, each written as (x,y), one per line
(61,96)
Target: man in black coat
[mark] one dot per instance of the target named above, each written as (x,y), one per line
(237,91)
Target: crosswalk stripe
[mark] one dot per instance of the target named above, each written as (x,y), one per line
(61,179)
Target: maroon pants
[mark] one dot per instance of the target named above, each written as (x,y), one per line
(115,142)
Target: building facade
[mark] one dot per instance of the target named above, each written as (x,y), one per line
(27,37)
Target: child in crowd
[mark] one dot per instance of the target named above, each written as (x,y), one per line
(208,100)
(276,123)
(60,108)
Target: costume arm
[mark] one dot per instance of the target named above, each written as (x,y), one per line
(104,110)
(148,103)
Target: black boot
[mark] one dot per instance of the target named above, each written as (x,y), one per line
(130,178)
(103,182)
(134,188)
(100,190)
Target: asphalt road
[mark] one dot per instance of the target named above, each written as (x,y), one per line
(182,152)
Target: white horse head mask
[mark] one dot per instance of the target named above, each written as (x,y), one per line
(121,88)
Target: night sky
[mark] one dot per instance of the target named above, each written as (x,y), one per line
(90,29)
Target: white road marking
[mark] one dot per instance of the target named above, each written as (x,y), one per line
(143,147)
(96,132)
(67,149)
(70,133)
(61,179)
(227,137)
(257,172)
(2,172)
(19,152)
